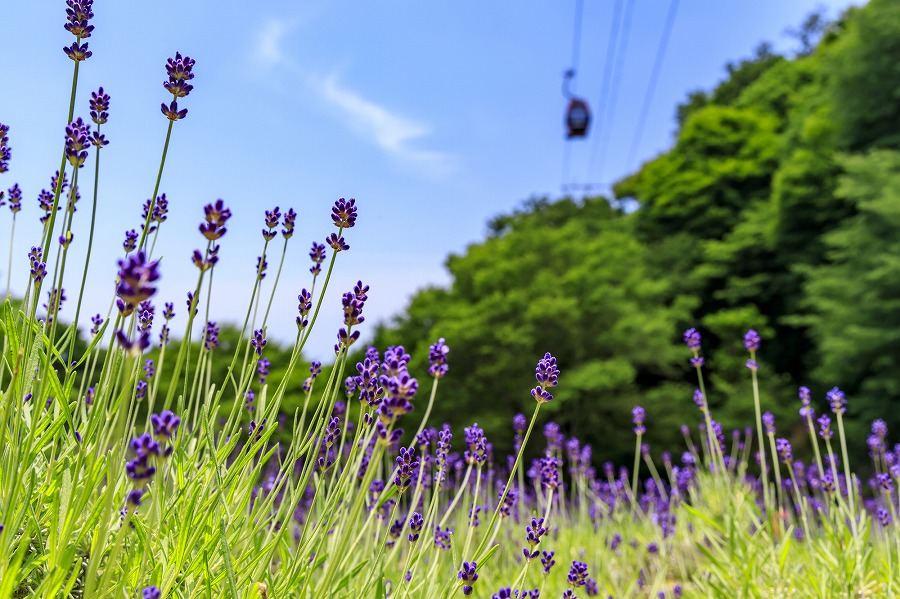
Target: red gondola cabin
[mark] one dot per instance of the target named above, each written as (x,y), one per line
(578,118)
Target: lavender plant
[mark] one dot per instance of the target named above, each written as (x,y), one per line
(112,485)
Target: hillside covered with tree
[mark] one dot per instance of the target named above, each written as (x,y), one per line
(777,208)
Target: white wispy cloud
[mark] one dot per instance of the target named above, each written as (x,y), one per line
(392,132)
(267,49)
(397,135)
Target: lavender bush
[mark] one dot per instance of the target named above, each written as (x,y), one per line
(110,487)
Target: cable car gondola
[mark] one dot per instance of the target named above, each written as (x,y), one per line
(578,113)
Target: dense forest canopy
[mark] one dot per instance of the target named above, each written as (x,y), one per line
(777,208)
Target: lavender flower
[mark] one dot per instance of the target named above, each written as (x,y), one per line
(533,534)
(468,575)
(546,373)
(699,400)
(305,305)
(38,268)
(547,560)
(262,369)
(344,213)
(768,421)
(837,400)
(180,70)
(131,239)
(5,151)
(692,339)
(259,341)
(549,472)
(751,340)
(99,105)
(216,215)
(406,464)
(415,526)
(77,142)
(135,277)
(337,243)
(164,425)
(477,445)
(272,219)
(317,255)
(151,592)
(806,411)
(637,418)
(133,500)
(577,574)
(288,223)
(136,347)
(15,192)
(783,447)
(825,427)
(437,359)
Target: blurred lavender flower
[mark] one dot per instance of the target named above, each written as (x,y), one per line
(211,338)
(151,592)
(825,427)
(136,274)
(136,347)
(637,418)
(806,410)
(692,339)
(837,400)
(699,400)
(768,421)
(262,369)
(783,447)
(751,340)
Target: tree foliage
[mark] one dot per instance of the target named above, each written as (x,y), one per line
(771,210)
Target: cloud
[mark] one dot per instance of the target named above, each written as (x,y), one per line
(267,48)
(393,133)
(390,131)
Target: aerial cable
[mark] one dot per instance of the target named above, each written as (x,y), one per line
(569,93)
(651,85)
(576,35)
(613,78)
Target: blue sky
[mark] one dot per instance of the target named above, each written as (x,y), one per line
(435,116)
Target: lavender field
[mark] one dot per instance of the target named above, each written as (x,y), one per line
(144,462)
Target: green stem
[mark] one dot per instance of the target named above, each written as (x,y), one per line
(90,245)
(12,236)
(162,163)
